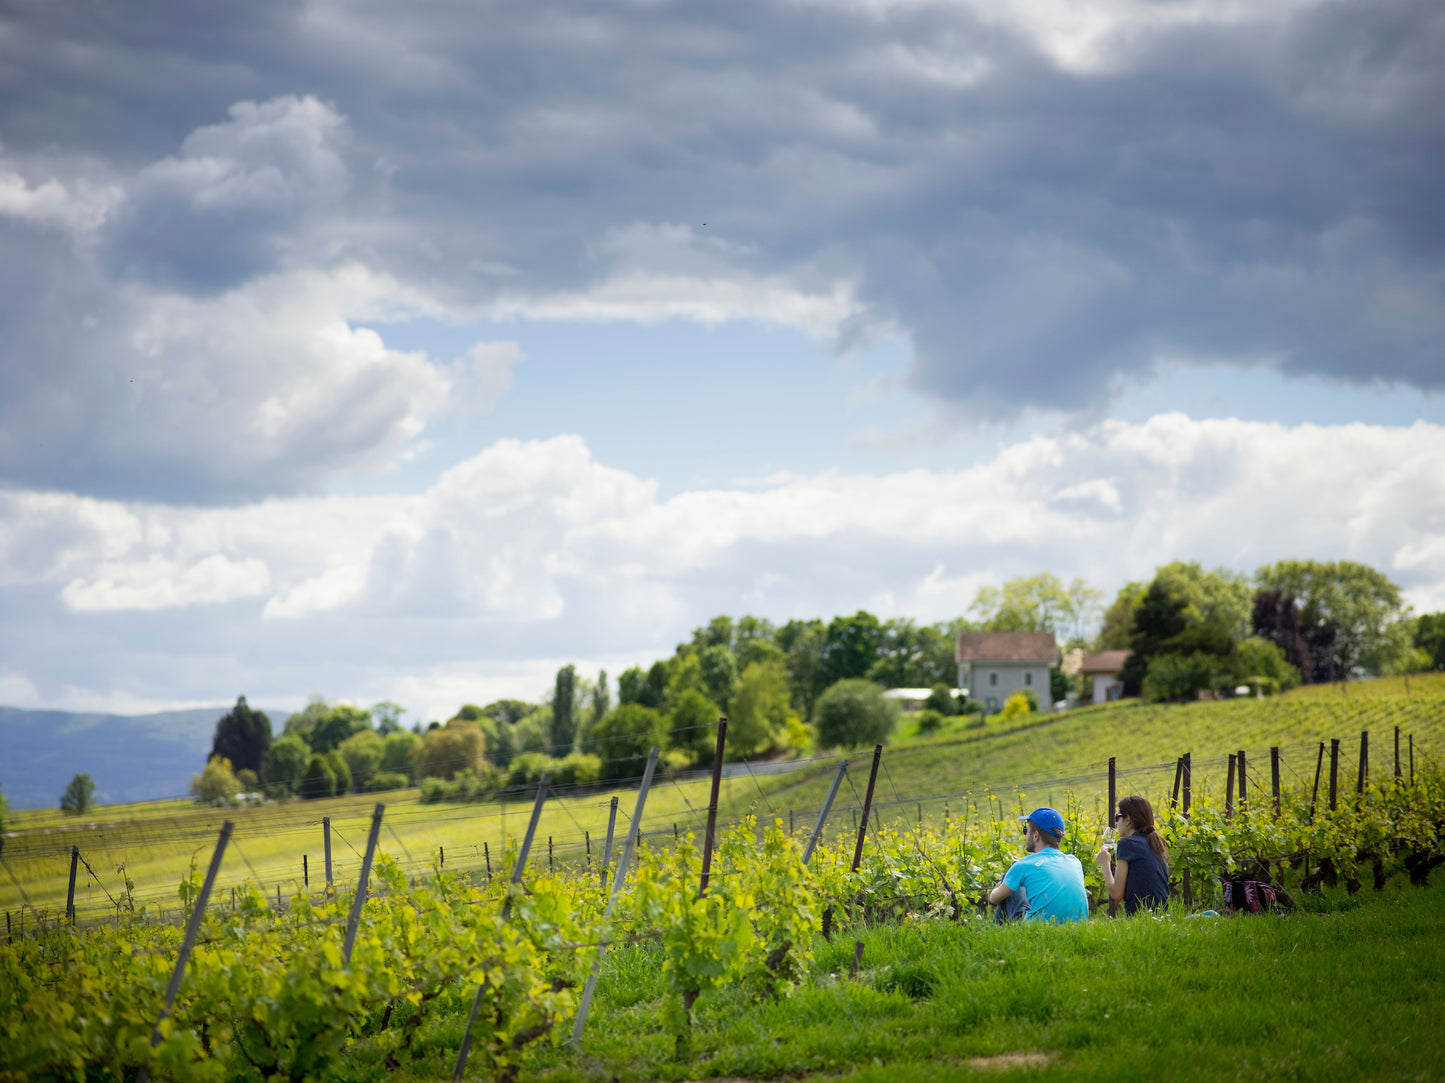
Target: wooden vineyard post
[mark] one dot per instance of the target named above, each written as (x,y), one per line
(326,836)
(549,853)
(305,874)
(585,1004)
(862,830)
(1242,780)
(1315,793)
(1412,759)
(487,856)
(1109,816)
(441,857)
(1186,786)
(1178,778)
(70,892)
(1274,776)
(587,841)
(823,812)
(1229,790)
(1364,766)
(607,850)
(1334,771)
(707,845)
(1397,752)
(193,928)
(1188,780)
(359,899)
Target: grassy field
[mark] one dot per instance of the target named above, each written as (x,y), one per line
(1348,994)
(1040,758)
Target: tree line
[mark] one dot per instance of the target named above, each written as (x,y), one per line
(811,683)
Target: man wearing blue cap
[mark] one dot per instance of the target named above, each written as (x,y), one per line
(1045,885)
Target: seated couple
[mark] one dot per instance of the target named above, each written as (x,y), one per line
(1048,885)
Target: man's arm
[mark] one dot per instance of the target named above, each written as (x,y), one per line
(1000,892)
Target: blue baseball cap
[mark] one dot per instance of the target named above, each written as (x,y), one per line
(1046,819)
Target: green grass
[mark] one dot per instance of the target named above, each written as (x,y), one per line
(1350,993)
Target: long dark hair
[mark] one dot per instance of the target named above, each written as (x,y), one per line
(1141,817)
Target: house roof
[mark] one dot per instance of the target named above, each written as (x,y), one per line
(1006,647)
(1104,662)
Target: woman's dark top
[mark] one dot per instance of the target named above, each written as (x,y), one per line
(1148,881)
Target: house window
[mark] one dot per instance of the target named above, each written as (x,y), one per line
(993,678)
(1029,679)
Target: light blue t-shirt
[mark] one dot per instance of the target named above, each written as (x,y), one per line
(1054,883)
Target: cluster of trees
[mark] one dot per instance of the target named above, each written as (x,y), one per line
(810,681)
(1191,630)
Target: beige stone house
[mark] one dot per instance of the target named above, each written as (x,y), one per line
(1102,671)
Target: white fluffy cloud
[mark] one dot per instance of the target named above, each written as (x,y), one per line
(557,555)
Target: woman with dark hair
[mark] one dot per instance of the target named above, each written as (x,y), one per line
(1142,876)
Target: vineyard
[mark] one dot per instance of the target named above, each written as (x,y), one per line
(686,943)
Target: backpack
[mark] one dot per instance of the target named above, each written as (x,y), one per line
(1248,897)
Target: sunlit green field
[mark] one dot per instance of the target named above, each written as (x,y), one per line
(988,770)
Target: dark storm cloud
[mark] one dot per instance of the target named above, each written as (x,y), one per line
(1264,190)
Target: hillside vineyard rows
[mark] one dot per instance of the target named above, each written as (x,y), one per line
(380,975)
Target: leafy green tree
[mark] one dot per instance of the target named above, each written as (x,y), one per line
(451,749)
(753,641)
(79,795)
(242,737)
(1277,619)
(1158,618)
(802,644)
(1173,676)
(758,712)
(851,646)
(1260,662)
(509,711)
(341,769)
(900,655)
(1220,598)
(601,697)
(362,753)
(1347,611)
(336,725)
(398,754)
(692,724)
(318,780)
(248,779)
(854,712)
(717,633)
(1038,603)
(1430,638)
(286,761)
(685,675)
(624,736)
(388,717)
(304,721)
(564,711)
(631,685)
(1119,618)
(216,784)
(719,672)
(941,699)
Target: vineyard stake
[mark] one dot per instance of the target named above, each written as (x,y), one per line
(920,814)
(487,855)
(722,738)
(867,806)
(823,812)
(442,856)
(1274,775)
(1364,765)
(585,1004)
(1188,780)
(70,892)
(1397,751)
(193,928)
(326,834)
(1334,770)
(9,936)
(792,828)
(1412,759)
(1229,791)
(1242,778)
(1178,778)
(587,838)
(1113,805)
(278,898)
(1315,794)
(517,871)
(305,874)
(607,852)
(549,853)
(360,898)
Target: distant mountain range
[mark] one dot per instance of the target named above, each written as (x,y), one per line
(131,757)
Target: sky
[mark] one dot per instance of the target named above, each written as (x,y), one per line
(381,351)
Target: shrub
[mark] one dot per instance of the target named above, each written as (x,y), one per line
(338,766)
(929,720)
(854,712)
(318,780)
(528,769)
(284,765)
(1017,705)
(398,754)
(450,749)
(1181,676)
(79,795)
(248,780)
(941,700)
(386,780)
(434,790)
(624,736)
(215,785)
(578,769)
